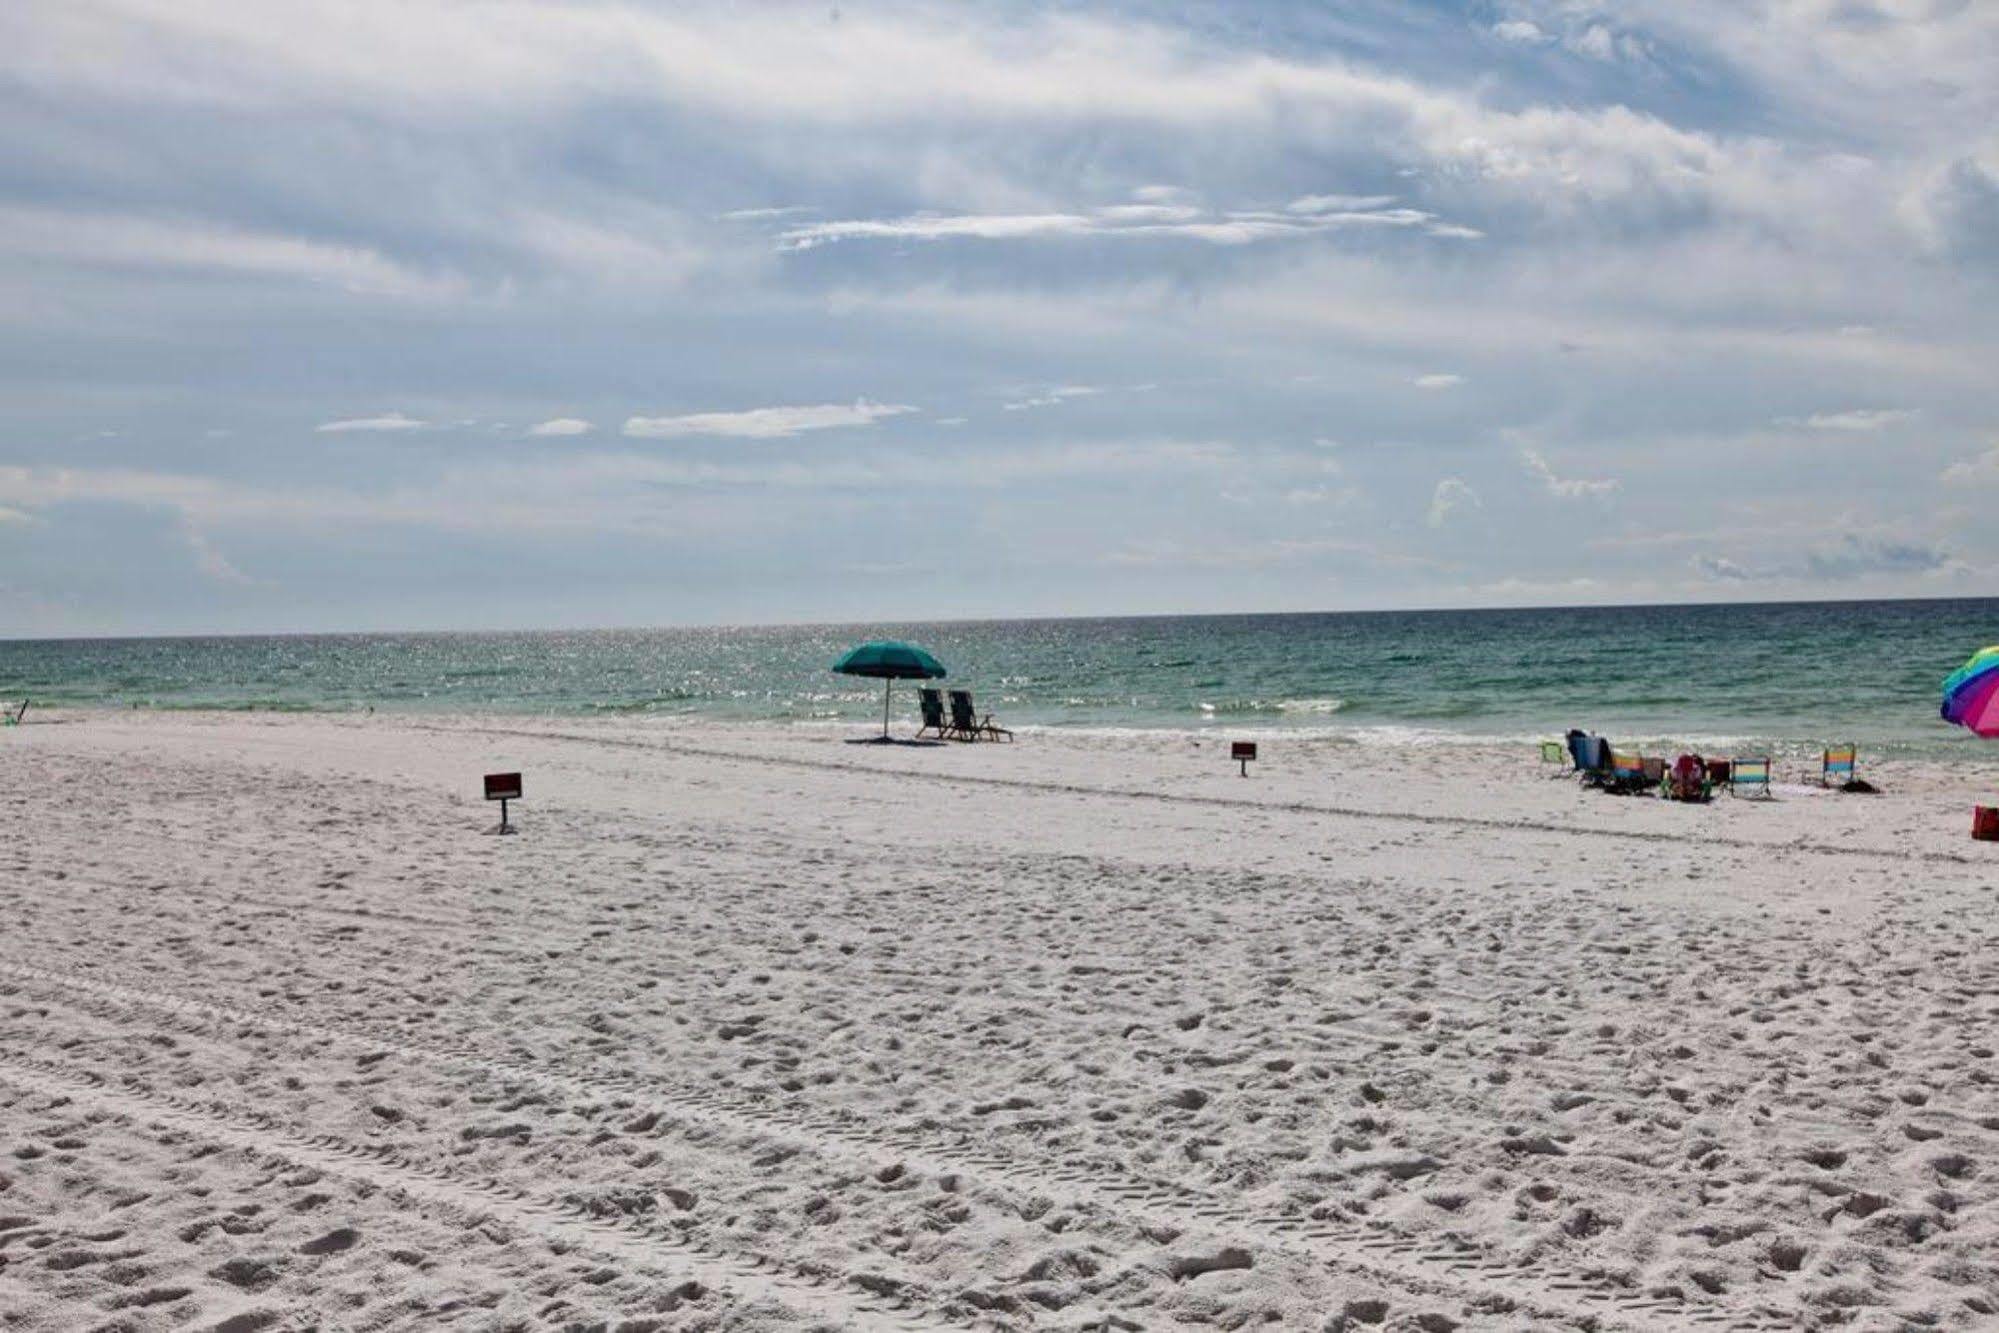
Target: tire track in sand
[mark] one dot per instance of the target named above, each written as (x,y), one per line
(1421,1268)
(428,1187)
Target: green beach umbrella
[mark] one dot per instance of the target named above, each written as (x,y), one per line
(889,661)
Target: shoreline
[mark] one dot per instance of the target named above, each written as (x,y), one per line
(1951,747)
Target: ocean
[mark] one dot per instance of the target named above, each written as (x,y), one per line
(1792,675)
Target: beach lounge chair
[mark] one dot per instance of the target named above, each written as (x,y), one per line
(1753,774)
(12,716)
(1655,772)
(1687,780)
(1627,773)
(967,725)
(1836,766)
(932,704)
(1554,752)
(1592,756)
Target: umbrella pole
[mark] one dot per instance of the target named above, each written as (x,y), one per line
(887,685)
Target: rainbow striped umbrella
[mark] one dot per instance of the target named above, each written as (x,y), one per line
(1971,693)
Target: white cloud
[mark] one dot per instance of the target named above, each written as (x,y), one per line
(1452,495)
(110,241)
(561,426)
(764,214)
(1438,381)
(1982,470)
(1309,216)
(1518,30)
(1563,488)
(1053,397)
(1137,213)
(1859,419)
(1339,203)
(1595,41)
(394,421)
(937,226)
(765,423)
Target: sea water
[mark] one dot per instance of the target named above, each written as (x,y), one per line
(1793,674)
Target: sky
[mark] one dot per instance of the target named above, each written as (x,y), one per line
(402,314)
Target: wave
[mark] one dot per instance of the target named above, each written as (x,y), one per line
(1230,707)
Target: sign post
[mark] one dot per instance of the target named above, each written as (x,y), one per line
(503,787)
(1242,752)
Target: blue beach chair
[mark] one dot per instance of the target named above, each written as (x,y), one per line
(1592,756)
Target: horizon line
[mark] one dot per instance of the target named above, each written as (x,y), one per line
(987,620)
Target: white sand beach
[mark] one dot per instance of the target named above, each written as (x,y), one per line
(753,1028)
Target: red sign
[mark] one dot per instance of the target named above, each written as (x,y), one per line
(1242,750)
(503,786)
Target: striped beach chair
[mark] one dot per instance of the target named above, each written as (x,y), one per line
(1627,772)
(1753,774)
(1836,767)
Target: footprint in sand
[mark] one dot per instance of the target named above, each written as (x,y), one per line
(334,1241)
(250,1321)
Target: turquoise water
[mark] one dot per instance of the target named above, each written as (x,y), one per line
(1797,673)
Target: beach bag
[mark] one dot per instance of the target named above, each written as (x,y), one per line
(1985,823)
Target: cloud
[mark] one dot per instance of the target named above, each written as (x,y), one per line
(1981,470)
(1312,215)
(1563,488)
(562,426)
(1451,496)
(133,243)
(1856,420)
(394,421)
(1438,381)
(1720,229)
(1719,569)
(1339,203)
(1959,209)
(594,492)
(765,214)
(211,562)
(765,423)
(1598,42)
(1053,397)
(1857,557)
